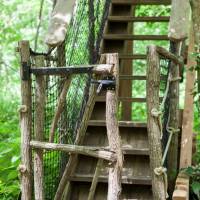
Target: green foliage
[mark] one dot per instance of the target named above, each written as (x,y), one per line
(194,174)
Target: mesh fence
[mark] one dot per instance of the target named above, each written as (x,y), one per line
(81,47)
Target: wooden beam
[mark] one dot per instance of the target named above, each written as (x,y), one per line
(188,113)
(75,149)
(26,124)
(179,20)
(153,127)
(60,108)
(40,97)
(114,140)
(95,179)
(166,54)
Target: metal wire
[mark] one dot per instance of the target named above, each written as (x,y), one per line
(81,47)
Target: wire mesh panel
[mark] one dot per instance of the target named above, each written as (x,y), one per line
(81,47)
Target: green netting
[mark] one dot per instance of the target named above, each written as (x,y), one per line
(81,47)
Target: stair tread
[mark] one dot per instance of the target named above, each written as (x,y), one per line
(133,56)
(140,180)
(134,37)
(121,123)
(138,19)
(142,2)
(137,77)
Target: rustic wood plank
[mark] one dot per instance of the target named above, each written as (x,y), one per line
(114,140)
(153,127)
(188,113)
(40,100)
(104,179)
(138,19)
(25,124)
(134,37)
(121,123)
(95,179)
(142,2)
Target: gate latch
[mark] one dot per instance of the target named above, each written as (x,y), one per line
(105,84)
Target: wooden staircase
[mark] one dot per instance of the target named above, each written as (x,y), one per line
(119,37)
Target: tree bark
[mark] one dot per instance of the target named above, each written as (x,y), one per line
(40,99)
(153,127)
(179,20)
(114,140)
(105,154)
(26,124)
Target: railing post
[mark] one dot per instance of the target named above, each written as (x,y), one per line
(39,130)
(25,122)
(153,126)
(173,121)
(114,140)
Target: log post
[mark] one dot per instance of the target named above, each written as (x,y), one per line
(153,127)
(25,123)
(173,121)
(114,140)
(39,130)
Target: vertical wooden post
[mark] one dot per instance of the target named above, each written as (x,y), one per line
(114,179)
(153,127)
(188,113)
(26,123)
(172,158)
(39,130)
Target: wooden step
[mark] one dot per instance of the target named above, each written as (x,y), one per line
(138,19)
(121,124)
(142,2)
(104,179)
(123,99)
(139,77)
(135,151)
(128,77)
(134,37)
(133,56)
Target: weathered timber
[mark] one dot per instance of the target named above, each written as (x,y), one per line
(114,140)
(73,159)
(105,154)
(179,20)
(153,83)
(39,130)
(188,113)
(60,108)
(101,69)
(173,121)
(95,179)
(166,54)
(26,124)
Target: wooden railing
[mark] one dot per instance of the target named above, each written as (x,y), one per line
(109,67)
(154,112)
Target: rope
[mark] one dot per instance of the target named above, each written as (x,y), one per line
(162,171)
(158,114)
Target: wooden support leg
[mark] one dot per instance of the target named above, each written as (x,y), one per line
(39,130)
(26,124)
